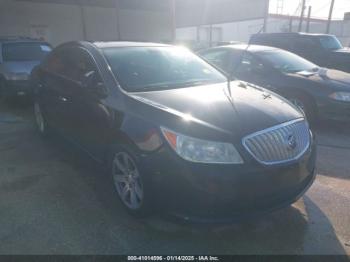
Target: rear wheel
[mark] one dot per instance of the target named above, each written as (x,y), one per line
(130,182)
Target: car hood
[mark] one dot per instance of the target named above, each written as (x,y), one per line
(329,77)
(342,51)
(19,67)
(196,110)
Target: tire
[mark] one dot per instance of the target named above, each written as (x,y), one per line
(40,120)
(130,181)
(306,105)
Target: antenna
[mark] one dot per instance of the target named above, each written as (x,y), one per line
(240,60)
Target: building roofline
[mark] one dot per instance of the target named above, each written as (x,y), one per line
(312,19)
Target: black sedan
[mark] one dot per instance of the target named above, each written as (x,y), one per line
(320,92)
(173,132)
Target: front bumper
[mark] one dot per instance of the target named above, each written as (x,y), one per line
(223,193)
(14,88)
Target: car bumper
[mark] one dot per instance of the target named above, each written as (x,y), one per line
(222,193)
(17,88)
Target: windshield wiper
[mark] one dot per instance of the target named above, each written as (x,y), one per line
(153,87)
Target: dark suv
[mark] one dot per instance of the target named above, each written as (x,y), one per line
(18,57)
(324,50)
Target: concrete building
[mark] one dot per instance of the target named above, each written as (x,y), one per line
(59,21)
(219,20)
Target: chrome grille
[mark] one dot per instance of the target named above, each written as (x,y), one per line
(279,144)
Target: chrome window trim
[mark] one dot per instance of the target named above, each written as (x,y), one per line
(244,140)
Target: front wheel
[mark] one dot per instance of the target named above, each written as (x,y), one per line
(130,182)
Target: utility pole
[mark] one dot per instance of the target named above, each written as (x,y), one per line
(210,35)
(83,22)
(330,17)
(117,9)
(301,15)
(173,20)
(308,19)
(266,17)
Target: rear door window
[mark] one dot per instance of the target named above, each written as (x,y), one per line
(330,42)
(71,63)
(54,62)
(78,63)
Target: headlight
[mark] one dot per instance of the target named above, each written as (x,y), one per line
(17,76)
(341,96)
(202,151)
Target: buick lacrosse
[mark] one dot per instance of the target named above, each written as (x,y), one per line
(173,132)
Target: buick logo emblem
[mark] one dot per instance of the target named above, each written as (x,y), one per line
(291,142)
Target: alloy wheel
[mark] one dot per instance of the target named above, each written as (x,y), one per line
(127,180)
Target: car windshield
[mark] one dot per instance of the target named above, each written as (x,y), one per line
(14,52)
(286,62)
(157,68)
(330,42)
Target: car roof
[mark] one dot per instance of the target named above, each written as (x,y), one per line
(289,34)
(250,48)
(110,44)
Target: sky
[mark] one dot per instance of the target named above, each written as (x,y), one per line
(320,8)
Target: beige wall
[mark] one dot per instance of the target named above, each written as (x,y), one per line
(61,22)
(203,12)
(149,26)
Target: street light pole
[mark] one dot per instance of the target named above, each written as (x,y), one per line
(173,20)
(117,12)
(83,22)
(330,17)
(266,16)
(308,19)
(301,16)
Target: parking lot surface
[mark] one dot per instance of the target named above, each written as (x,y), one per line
(55,200)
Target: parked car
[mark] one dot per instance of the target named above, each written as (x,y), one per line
(321,49)
(319,92)
(170,128)
(18,56)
